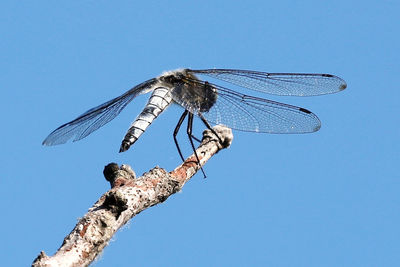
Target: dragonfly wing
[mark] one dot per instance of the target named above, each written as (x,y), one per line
(96,117)
(288,84)
(252,114)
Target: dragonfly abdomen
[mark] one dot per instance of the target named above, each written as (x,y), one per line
(159,100)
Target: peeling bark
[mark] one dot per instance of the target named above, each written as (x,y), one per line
(127,197)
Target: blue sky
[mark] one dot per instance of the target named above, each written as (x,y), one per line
(325,199)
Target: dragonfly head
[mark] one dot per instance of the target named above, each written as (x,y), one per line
(176,77)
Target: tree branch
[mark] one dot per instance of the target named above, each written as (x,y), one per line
(126,198)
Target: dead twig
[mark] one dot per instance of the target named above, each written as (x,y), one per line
(126,198)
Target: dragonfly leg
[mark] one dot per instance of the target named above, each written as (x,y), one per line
(189,133)
(209,126)
(195,138)
(176,132)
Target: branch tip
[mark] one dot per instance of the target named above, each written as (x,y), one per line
(224,137)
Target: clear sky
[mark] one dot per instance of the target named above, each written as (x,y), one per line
(330,198)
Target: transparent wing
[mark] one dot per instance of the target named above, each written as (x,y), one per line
(288,84)
(96,117)
(252,114)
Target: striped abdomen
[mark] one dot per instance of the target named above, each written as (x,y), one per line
(158,102)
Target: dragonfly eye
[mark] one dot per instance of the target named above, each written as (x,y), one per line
(172,79)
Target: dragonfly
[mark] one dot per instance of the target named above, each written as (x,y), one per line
(212,103)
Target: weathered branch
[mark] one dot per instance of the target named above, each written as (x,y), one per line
(126,198)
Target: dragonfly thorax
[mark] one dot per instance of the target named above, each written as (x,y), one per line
(190,92)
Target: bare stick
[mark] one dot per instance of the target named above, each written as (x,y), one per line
(126,198)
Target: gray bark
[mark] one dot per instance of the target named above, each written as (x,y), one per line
(127,197)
